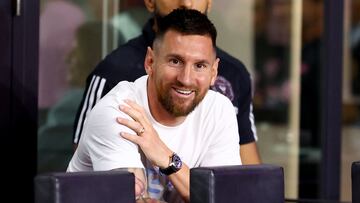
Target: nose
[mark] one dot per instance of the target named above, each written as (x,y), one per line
(186,4)
(185,76)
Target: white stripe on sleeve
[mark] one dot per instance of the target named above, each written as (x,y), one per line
(95,89)
(252,121)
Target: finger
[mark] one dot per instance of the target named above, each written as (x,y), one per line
(133,113)
(132,138)
(143,118)
(134,105)
(133,125)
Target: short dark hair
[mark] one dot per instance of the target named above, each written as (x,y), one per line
(187,22)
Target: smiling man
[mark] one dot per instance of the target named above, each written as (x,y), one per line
(169,120)
(126,63)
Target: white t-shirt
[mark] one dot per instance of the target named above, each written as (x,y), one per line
(207,137)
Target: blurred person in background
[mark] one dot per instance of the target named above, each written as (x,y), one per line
(54,137)
(59,20)
(272,35)
(311,57)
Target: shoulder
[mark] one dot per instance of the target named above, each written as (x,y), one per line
(233,79)
(231,63)
(102,118)
(123,90)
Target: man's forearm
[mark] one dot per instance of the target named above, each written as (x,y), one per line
(249,154)
(140,181)
(181,182)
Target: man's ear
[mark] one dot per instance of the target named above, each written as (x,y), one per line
(214,71)
(149,61)
(150,5)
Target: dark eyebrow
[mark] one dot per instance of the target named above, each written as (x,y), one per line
(203,62)
(177,56)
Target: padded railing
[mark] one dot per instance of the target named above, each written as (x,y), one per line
(245,184)
(85,187)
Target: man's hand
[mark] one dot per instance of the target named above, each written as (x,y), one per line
(146,136)
(153,147)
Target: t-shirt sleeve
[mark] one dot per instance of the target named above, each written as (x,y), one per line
(107,149)
(245,116)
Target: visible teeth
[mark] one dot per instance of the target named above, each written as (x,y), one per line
(187,92)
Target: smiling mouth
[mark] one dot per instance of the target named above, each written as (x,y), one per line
(183,92)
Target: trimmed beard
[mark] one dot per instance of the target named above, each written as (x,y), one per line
(176,108)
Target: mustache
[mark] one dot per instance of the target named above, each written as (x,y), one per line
(181,85)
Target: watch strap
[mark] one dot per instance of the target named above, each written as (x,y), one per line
(174,166)
(167,171)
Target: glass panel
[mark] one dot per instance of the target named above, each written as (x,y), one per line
(274,100)
(284,58)
(310,137)
(74,36)
(264,34)
(351,96)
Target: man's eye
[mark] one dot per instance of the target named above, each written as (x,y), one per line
(174,61)
(200,66)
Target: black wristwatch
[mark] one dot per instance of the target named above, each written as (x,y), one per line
(174,166)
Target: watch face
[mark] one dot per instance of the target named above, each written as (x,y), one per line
(174,166)
(176,161)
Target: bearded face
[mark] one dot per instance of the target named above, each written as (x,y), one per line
(181,69)
(170,97)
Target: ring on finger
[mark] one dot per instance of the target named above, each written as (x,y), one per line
(142,130)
